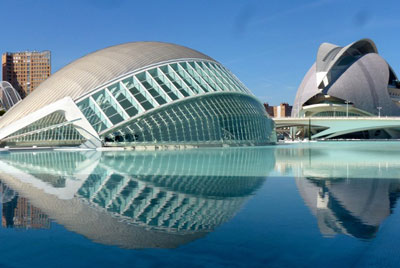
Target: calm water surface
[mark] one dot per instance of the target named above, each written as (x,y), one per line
(317,204)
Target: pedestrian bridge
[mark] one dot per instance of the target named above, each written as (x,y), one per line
(337,126)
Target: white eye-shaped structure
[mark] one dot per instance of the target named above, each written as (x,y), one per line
(142,93)
(8,95)
(348,81)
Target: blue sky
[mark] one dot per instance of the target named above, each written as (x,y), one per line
(269,45)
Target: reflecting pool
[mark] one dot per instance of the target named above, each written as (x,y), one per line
(308,204)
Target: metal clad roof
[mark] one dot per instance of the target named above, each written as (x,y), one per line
(307,89)
(323,51)
(327,57)
(364,83)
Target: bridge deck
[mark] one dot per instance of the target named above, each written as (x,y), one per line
(336,126)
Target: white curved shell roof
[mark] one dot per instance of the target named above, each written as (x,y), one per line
(365,45)
(95,69)
(364,82)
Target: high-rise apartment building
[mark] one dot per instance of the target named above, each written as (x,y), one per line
(26,70)
(18,212)
(283,110)
(269,109)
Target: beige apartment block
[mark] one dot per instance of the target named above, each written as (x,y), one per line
(26,70)
(283,110)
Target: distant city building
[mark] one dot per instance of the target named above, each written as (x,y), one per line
(17,212)
(269,109)
(283,110)
(26,70)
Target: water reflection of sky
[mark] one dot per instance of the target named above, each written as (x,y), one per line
(308,204)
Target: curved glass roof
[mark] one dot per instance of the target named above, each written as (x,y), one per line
(135,94)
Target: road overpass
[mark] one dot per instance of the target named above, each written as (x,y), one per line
(337,126)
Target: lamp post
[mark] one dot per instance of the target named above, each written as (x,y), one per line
(298,108)
(347,108)
(379,110)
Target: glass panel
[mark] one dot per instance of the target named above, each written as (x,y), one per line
(222,77)
(137,94)
(124,100)
(204,76)
(152,88)
(232,78)
(108,107)
(92,115)
(212,76)
(165,85)
(173,79)
(189,81)
(217,119)
(195,75)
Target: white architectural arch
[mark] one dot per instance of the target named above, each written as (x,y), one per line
(67,109)
(8,95)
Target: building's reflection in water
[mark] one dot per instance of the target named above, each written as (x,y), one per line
(354,207)
(349,189)
(134,200)
(17,212)
(169,198)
